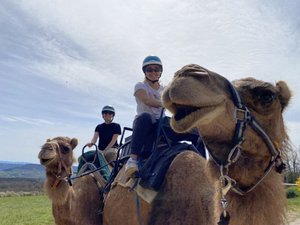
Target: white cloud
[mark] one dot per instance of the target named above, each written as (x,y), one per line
(26,120)
(61,61)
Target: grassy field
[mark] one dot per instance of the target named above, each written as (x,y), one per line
(36,210)
(294,208)
(25,210)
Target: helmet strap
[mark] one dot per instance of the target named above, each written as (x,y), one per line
(152,81)
(109,121)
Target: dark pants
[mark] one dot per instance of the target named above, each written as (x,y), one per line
(143,135)
(145,132)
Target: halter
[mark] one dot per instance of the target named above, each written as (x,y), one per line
(243,118)
(61,165)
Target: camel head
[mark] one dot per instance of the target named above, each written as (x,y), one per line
(200,98)
(58,150)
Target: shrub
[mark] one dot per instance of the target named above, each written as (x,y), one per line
(292,192)
(298,183)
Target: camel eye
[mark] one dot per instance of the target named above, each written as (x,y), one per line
(65,149)
(266,97)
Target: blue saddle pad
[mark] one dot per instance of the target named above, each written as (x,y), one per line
(155,168)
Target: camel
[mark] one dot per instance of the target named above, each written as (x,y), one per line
(79,204)
(242,127)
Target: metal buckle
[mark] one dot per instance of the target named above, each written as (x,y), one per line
(234,153)
(241,114)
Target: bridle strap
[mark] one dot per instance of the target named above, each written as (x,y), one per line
(61,165)
(243,117)
(254,124)
(249,119)
(242,191)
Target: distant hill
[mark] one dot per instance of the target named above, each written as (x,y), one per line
(6,165)
(21,185)
(23,170)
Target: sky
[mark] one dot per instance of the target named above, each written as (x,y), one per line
(62,61)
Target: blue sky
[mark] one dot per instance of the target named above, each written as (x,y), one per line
(61,61)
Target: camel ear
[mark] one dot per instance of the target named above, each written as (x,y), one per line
(48,140)
(74,142)
(284,93)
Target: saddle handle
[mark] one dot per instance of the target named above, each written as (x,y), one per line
(83,153)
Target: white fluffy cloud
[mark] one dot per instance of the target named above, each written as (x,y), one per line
(61,61)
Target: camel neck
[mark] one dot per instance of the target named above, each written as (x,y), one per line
(271,209)
(242,209)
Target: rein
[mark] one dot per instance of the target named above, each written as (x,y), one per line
(89,172)
(62,165)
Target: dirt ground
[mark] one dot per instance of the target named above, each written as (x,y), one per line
(294,218)
(296,222)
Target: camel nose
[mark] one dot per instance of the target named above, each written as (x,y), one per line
(192,70)
(50,146)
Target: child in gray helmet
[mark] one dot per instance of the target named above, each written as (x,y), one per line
(107,133)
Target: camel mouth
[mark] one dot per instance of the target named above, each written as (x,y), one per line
(186,117)
(45,162)
(183,111)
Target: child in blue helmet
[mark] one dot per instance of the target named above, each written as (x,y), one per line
(148,98)
(149,107)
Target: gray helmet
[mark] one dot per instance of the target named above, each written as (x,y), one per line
(108,108)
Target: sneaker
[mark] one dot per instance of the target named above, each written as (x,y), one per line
(131,167)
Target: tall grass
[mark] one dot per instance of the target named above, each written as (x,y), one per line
(26,210)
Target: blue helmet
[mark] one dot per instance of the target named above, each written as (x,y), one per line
(152,60)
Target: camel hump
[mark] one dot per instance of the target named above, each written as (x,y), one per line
(155,168)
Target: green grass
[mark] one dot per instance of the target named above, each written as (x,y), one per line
(294,208)
(26,210)
(294,205)
(36,210)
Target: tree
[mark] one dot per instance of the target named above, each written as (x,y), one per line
(293,166)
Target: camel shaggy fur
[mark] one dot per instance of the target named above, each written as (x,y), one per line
(193,187)
(79,204)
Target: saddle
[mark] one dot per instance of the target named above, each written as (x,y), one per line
(94,160)
(153,172)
